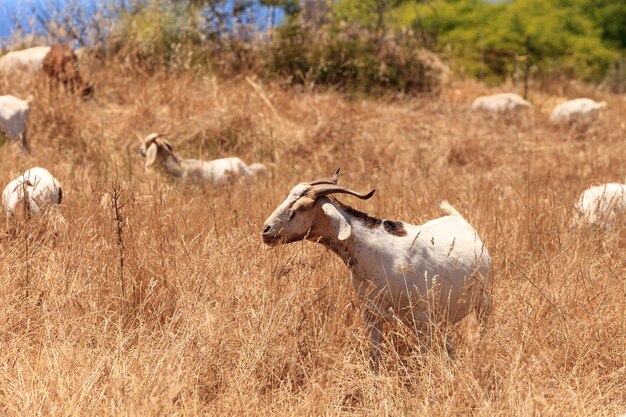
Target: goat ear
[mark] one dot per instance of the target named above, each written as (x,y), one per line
(151,154)
(339,220)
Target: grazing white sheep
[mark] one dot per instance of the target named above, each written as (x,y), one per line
(436,272)
(500,103)
(218,171)
(600,205)
(14,119)
(580,110)
(31,193)
(30,59)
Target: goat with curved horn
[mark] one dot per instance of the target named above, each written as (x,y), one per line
(155,148)
(437,272)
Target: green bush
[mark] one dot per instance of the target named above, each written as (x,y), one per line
(289,54)
(352,59)
(158,36)
(571,38)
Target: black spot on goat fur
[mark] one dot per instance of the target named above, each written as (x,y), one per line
(369,221)
(394,228)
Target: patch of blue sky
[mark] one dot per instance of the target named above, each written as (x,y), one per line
(15,13)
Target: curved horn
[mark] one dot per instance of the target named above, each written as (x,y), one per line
(332,180)
(320,191)
(161,137)
(151,136)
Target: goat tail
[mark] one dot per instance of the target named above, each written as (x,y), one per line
(450,211)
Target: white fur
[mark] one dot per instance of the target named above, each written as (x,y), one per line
(438,272)
(30,59)
(14,119)
(36,185)
(580,109)
(600,205)
(500,103)
(217,171)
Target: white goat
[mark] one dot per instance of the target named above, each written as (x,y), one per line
(601,205)
(500,103)
(580,109)
(218,171)
(14,119)
(31,193)
(30,59)
(420,275)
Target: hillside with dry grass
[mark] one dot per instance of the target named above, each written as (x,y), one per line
(173,306)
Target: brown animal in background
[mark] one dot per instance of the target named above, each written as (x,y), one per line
(61,65)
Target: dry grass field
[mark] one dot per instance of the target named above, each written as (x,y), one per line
(185,312)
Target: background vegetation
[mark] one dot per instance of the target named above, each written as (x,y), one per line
(370,46)
(579,38)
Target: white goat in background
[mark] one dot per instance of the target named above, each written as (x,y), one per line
(33,192)
(436,272)
(219,171)
(30,59)
(500,103)
(14,119)
(600,205)
(579,110)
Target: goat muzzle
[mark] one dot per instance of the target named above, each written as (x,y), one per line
(269,237)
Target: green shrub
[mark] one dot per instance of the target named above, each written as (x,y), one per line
(352,59)
(569,38)
(158,36)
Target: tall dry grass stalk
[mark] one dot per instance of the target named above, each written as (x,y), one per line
(211,322)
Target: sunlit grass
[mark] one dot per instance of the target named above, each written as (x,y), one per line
(201,318)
